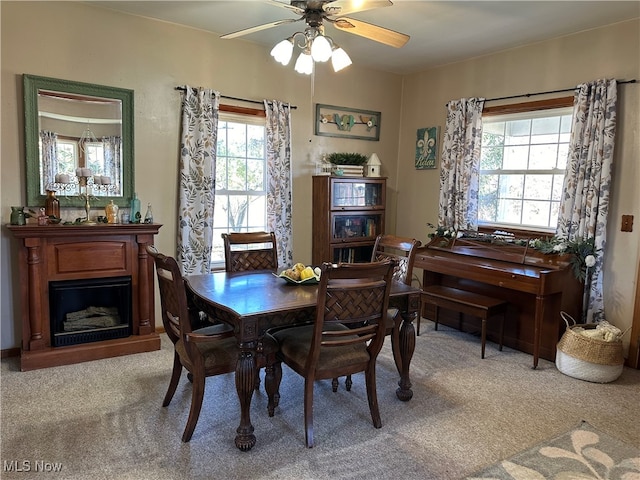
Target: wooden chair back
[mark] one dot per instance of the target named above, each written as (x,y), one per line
(202,351)
(173,297)
(244,251)
(400,249)
(345,338)
(357,296)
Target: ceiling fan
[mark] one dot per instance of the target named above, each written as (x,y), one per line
(316,12)
(315,45)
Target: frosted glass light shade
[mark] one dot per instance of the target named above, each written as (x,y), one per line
(304,64)
(320,49)
(283,51)
(340,59)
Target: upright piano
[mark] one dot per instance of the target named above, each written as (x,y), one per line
(537,287)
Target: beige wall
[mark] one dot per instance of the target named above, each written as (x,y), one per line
(611,52)
(78,42)
(74,41)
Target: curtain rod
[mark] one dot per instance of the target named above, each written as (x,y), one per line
(619,82)
(236,98)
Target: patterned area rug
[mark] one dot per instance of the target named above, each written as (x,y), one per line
(580,454)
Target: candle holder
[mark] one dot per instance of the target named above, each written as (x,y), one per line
(84,184)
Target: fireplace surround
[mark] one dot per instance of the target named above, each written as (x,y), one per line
(50,255)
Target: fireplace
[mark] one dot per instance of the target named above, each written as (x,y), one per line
(98,275)
(89,310)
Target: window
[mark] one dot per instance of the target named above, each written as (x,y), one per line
(67,155)
(240,201)
(522,166)
(94,156)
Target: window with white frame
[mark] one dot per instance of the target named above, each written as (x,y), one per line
(240,200)
(522,166)
(66,155)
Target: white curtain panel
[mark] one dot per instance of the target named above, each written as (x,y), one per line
(49,158)
(459,174)
(587,184)
(279,190)
(197,173)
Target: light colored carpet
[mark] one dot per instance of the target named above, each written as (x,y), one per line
(582,453)
(104,420)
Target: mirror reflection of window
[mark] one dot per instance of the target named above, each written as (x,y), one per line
(72,114)
(80,132)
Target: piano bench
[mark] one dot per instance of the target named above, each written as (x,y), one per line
(469,303)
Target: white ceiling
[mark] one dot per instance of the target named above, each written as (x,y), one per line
(441,31)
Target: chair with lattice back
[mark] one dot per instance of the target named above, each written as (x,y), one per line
(402,250)
(345,338)
(245,251)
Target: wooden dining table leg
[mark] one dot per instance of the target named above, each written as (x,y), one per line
(245,384)
(407,347)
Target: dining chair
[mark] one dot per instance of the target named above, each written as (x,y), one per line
(403,251)
(244,251)
(203,352)
(345,337)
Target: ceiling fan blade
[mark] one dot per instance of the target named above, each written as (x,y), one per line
(372,32)
(247,31)
(344,7)
(288,6)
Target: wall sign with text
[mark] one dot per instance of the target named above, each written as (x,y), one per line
(427,148)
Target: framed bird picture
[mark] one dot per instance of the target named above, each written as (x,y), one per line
(334,121)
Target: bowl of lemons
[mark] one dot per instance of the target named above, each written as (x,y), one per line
(301,274)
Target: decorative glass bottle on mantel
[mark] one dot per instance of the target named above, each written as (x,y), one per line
(52,204)
(112,212)
(148,218)
(134,214)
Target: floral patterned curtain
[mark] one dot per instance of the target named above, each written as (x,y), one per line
(587,183)
(459,175)
(112,147)
(197,179)
(279,194)
(49,158)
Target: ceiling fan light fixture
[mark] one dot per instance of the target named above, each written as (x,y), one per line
(283,51)
(339,59)
(320,49)
(304,63)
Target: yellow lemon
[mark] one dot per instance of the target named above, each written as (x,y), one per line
(307,273)
(299,267)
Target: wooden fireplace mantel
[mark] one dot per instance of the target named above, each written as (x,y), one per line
(76,252)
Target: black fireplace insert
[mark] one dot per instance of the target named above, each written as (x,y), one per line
(90,310)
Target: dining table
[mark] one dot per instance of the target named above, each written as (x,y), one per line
(253,302)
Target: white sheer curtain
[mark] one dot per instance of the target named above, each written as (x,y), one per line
(197,179)
(48,141)
(459,175)
(587,183)
(112,147)
(279,192)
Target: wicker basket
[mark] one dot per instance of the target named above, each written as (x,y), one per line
(587,358)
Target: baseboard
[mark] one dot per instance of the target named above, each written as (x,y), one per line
(10,352)
(15,352)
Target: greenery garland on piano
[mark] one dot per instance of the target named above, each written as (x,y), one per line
(583,252)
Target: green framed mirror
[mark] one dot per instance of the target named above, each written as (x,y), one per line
(78,139)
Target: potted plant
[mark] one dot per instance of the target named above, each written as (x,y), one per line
(348,164)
